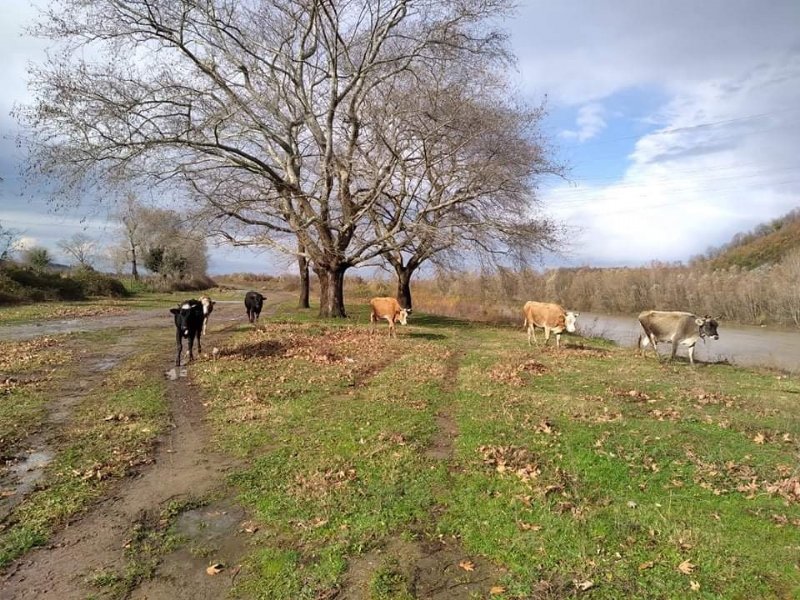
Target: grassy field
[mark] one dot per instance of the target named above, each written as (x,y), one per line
(525,472)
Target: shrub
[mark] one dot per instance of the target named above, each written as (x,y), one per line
(99,284)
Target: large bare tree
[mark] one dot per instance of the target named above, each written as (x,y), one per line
(275,92)
(471,157)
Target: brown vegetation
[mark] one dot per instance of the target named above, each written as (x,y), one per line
(767,295)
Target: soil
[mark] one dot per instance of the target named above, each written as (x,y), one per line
(184,468)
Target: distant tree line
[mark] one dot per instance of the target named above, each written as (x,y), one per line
(767,295)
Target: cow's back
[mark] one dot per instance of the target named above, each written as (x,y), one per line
(664,325)
(384,307)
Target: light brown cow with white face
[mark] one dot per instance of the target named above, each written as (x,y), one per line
(389,309)
(550,317)
(208,307)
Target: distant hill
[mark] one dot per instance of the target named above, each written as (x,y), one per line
(766,244)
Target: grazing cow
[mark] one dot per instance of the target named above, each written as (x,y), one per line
(676,327)
(389,309)
(188,324)
(550,317)
(253,302)
(208,308)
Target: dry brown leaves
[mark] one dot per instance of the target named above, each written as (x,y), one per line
(703,398)
(743,478)
(77,312)
(511,460)
(511,374)
(40,351)
(321,483)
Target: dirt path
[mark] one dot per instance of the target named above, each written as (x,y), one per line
(184,468)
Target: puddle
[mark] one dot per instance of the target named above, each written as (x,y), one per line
(209,523)
(20,479)
(211,535)
(175,372)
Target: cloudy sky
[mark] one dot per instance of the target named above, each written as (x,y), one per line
(679,120)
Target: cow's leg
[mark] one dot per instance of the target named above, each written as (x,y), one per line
(532,334)
(558,340)
(372,323)
(179,343)
(691,355)
(199,349)
(546,335)
(674,349)
(205,324)
(191,343)
(392,332)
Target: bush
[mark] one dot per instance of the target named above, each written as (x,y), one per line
(98,284)
(21,284)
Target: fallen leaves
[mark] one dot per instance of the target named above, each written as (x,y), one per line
(583,585)
(467,565)
(496,590)
(511,374)
(215,569)
(511,460)
(686,567)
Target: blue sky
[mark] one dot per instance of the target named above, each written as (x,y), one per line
(679,120)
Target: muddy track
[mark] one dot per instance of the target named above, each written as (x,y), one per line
(441,446)
(184,468)
(431,566)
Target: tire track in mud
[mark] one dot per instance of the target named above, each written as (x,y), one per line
(184,468)
(429,564)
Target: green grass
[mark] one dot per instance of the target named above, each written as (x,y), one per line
(587,464)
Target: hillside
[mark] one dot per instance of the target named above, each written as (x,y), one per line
(766,244)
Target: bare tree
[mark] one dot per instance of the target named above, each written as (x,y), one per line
(128,216)
(471,158)
(272,93)
(9,239)
(80,247)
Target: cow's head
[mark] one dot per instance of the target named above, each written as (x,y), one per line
(708,327)
(403,316)
(569,321)
(182,317)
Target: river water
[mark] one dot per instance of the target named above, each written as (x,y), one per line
(740,345)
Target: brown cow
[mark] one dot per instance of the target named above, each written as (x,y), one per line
(389,309)
(550,317)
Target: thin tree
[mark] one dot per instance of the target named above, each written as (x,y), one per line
(276,92)
(80,247)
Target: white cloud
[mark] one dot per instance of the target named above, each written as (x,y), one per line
(590,121)
(723,160)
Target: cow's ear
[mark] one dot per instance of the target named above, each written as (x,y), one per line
(699,321)
(174,311)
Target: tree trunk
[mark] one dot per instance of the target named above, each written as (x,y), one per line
(331,291)
(404,286)
(134,270)
(302,263)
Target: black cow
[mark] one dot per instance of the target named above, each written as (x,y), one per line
(253,302)
(188,324)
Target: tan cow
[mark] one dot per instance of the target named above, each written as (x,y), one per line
(389,309)
(550,317)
